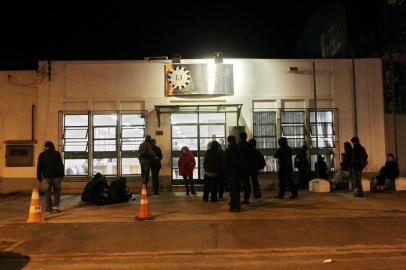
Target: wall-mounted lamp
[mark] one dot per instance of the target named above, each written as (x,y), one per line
(218,57)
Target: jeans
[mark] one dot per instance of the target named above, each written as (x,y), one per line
(145,170)
(54,185)
(356,176)
(188,179)
(286,179)
(234,182)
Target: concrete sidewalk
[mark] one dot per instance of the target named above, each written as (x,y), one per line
(187,232)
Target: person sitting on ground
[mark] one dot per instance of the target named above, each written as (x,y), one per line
(344,171)
(389,171)
(321,168)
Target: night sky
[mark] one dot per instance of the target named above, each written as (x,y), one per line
(251,29)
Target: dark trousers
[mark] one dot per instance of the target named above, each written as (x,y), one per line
(255,184)
(357,175)
(234,184)
(145,171)
(246,184)
(304,178)
(54,186)
(189,179)
(210,188)
(286,179)
(221,185)
(155,179)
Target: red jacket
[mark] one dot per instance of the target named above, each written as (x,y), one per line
(186,163)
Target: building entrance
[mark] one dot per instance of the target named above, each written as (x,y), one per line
(195,130)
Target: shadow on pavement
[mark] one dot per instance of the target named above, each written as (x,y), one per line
(12,260)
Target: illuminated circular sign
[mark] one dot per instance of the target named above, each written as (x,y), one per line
(179,78)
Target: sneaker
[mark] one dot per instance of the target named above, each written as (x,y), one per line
(235,210)
(187,194)
(194,193)
(360,195)
(55,210)
(293,197)
(279,197)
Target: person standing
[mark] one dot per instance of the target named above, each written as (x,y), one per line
(186,165)
(233,162)
(359,162)
(247,154)
(213,169)
(146,156)
(50,167)
(156,166)
(285,173)
(258,165)
(302,163)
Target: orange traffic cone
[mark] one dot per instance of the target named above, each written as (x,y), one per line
(35,215)
(145,214)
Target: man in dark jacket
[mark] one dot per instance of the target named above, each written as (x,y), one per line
(50,167)
(285,173)
(146,156)
(213,169)
(156,166)
(302,164)
(248,158)
(233,161)
(258,165)
(359,162)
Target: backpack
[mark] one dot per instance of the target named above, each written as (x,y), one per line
(260,162)
(363,158)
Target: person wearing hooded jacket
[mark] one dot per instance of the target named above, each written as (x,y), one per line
(50,167)
(213,170)
(285,172)
(186,165)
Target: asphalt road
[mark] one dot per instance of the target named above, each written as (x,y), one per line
(362,233)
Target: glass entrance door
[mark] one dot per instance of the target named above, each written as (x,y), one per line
(195,130)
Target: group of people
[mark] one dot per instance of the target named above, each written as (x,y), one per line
(237,167)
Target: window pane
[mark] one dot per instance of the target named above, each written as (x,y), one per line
(323,129)
(295,142)
(105,133)
(76,120)
(106,166)
(212,118)
(183,118)
(184,131)
(323,142)
(175,174)
(76,166)
(177,144)
(75,145)
(292,131)
(212,130)
(205,141)
(130,166)
(76,133)
(266,143)
(132,120)
(104,145)
(131,144)
(271,164)
(292,117)
(105,120)
(264,117)
(322,117)
(133,132)
(264,130)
